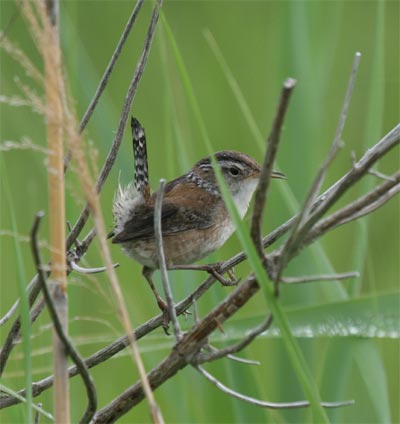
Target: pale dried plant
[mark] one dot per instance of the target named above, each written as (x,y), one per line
(67,125)
(25,144)
(17,54)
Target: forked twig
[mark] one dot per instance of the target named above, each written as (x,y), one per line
(303,222)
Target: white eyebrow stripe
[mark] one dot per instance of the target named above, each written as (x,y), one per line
(224,163)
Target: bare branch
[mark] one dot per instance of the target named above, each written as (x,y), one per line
(360,207)
(301,226)
(371,207)
(69,347)
(264,404)
(325,201)
(266,169)
(161,261)
(183,353)
(227,352)
(359,169)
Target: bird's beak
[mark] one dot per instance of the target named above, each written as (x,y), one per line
(279,175)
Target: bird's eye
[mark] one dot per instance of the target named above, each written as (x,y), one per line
(234,171)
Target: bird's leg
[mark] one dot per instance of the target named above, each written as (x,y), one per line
(148,273)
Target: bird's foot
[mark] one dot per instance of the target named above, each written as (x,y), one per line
(216,271)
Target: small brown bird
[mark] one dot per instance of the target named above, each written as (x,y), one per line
(194,218)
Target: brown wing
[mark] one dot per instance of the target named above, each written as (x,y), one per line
(179,213)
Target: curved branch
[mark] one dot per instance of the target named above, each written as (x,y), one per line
(69,347)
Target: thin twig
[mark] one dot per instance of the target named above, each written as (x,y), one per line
(68,346)
(34,291)
(16,326)
(162,263)
(82,270)
(322,277)
(359,169)
(112,154)
(107,73)
(301,226)
(227,351)
(316,187)
(371,207)
(266,169)
(262,403)
(37,415)
(381,175)
(243,360)
(360,207)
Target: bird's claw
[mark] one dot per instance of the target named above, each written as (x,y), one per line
(215,271)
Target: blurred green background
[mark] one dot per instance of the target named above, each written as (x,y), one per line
(262,42)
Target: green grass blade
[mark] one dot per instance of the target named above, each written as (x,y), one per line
(24,400)
(333,291)
(291,344)
(24,304)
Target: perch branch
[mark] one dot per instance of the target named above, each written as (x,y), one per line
(182,354)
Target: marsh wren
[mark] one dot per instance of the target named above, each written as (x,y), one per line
(194,219)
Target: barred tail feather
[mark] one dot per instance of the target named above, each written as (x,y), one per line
(140,155)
